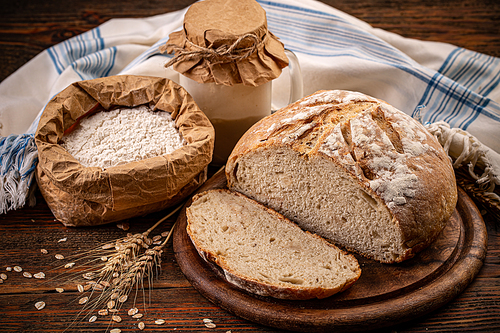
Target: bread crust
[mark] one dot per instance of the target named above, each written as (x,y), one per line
(391,155)
(292,292)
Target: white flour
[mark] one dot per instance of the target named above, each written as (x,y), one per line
(124,135)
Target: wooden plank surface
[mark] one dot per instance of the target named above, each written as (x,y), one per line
(28,27)
(383,295)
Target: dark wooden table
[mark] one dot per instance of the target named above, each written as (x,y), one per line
(27,27)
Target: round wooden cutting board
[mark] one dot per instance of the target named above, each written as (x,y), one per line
(384,295)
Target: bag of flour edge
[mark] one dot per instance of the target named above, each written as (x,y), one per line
(79,195)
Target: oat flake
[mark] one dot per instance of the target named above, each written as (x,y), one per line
(115,330)
(80,288)
(27,275)
(59,290)
(39,275)
(116,318)
(133,311)
(92,319)
(8,269)
(137,315)
(69,265)
(39,305)
(44,251)
(159,321)
(18,269)
(123,299)
(3,276)
(62,240)
(103,312)
(83,300)
(141,325)
(210,325)
(59,256)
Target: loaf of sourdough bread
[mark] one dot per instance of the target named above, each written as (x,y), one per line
(350,168)
(260,251)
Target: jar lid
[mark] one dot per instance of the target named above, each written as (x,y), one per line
(226,42)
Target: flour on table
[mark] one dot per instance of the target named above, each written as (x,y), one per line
(124,135)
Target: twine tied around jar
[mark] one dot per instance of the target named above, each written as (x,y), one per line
(224,53)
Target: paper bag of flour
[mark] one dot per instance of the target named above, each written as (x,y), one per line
(78,195)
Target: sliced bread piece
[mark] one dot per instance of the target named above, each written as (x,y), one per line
(264,253)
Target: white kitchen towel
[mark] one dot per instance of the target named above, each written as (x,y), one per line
(434,82)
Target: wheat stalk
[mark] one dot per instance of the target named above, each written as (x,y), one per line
(114,269)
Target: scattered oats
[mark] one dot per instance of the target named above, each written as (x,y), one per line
(80,288)
(39,275)
(8,269)
(69,265)
(88,276)
(103,312)
(83,300)
(164,234)
(59,256)
(104,258)
(105,284)
(133,311)
(207,320)
(59,290)
(44,251)
(39,305)
(157,242)
(210,325)
(18,269)
(137,315)
(113,310)
(108,246)
(92,319)
(62,240)
(3,276)
(114,295)
(159,321)
(115,330)
(156,238)
(141,325)
(87,287)
(228,331)
(123,299)
(123,226)
(27,275)
(111,304)
(116,318)
(32,220)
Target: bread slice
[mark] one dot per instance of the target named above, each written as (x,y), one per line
(352,169)
(264,253)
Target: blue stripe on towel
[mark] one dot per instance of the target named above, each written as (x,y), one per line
(79,53)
